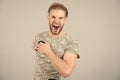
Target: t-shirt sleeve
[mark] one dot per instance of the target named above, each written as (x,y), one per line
(73,47)
(36,39)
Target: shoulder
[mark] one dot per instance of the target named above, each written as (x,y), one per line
(70,38)
(42,34)
(67,37)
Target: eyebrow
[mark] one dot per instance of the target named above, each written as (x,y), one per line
(61,17)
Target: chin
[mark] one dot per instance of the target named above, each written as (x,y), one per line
(55,33)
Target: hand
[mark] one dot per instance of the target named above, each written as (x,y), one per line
(43,48)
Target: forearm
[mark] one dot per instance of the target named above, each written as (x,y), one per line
(64,66)
(59,64)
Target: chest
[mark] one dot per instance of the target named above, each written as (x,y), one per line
(58,46)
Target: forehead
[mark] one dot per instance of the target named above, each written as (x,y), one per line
(57,13)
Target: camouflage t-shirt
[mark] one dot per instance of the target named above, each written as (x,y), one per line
(44,69)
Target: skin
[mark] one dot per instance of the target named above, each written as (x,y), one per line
(66,65)
(56,18)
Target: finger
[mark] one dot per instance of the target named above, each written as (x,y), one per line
(46,42)
(36,50)
(41,42)
(38,45)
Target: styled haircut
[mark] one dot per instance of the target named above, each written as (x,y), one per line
(58,6)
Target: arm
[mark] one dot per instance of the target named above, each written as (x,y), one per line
(64,66)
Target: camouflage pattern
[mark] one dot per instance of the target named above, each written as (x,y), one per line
(44,69)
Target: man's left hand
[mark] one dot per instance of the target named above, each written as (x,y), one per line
(43,48)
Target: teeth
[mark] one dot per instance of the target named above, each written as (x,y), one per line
(56,27)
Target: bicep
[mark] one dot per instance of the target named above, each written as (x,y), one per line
(70,59)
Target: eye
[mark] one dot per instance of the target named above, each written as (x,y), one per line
(60,18)
(53,17)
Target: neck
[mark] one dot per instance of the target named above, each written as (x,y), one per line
(56,36)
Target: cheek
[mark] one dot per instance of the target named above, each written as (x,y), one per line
(62,22)
(51,21)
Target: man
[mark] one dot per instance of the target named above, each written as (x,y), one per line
(56,52)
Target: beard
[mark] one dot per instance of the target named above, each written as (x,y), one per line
(55,30)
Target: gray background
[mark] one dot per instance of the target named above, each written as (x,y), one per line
(94,23)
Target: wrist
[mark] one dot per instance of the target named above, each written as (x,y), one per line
(50,53)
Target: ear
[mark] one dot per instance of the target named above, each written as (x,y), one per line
(48,17)
(65,20)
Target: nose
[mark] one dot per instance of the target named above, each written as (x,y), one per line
(56,20)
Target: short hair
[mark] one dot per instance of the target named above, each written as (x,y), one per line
(58,6)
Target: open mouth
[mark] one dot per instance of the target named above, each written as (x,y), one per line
(56,27)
